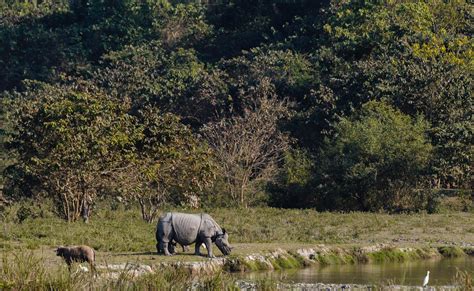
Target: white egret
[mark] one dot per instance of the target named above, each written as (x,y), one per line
(83,269)
(427,279)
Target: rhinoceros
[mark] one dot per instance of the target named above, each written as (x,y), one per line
(186,229)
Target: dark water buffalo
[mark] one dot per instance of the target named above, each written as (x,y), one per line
(186,229)
(78,254)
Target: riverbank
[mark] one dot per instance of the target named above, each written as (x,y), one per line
(264,239)
(329,255)
(248,257)
(42,270)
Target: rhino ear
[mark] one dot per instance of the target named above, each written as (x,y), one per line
(223,231)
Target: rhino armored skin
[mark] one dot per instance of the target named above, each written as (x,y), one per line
(186,229)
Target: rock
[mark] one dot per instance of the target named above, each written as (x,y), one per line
(132,270)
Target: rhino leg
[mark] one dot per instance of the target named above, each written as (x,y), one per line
(166,249)
(172,247)
(164,236)
(185,248)
(208,244)
(197,247)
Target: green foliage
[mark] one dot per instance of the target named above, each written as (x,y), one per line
(415,55)
(23,213)
(358,29)
(74,144)
(292,188)
(66,138)
(5,127)
(192,63)
(45,41)
(151,74)
(111,27)
(290,72)
(38,43)
(168,165)
(440,91)
(451,252)
(375,160)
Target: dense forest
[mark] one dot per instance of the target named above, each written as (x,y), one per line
(334,105)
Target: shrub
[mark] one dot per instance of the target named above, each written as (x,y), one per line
(376,160)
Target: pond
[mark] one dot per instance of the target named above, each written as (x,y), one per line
(442,272)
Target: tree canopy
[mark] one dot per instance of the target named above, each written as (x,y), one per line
(370,102)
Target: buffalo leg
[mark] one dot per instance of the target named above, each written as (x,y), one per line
(93,269)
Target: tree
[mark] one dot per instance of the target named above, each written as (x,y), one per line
(66,139)
(377,160)
(415,55)
(168,165)
(292,187)
(150,74)
(442,93)
(39,44)
(5,159)
(248,148)
(291,73)
(111,26)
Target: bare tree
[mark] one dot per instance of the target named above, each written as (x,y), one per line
(248,148)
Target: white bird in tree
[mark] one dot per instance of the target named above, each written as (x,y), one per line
(427,279)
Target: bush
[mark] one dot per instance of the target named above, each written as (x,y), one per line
(24,213)
(376,160)
(292,188)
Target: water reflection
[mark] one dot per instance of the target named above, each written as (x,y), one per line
(442,272)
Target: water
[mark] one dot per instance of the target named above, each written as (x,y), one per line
(442,272)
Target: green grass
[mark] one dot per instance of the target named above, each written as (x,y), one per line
(451,251)
(26,271)
(122,236)
(124,230)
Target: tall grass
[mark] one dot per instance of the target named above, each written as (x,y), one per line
(465,280)
(25,271)
(22,270)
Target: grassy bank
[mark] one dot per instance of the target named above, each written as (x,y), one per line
(26,271)
(124,231)
(121,236)
(337,255)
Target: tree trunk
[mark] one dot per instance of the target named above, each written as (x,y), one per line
(85,211)
(84,206)
(147,212)
(142,209)
(241,196)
